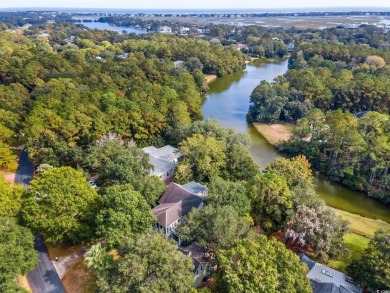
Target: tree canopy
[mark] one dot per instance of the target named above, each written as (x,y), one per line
(373,268)
(17,254)
(149,263)
(271,201)
(260,265)
(319,228)
(125,213)
(10,198)
(62,205)
(214,226)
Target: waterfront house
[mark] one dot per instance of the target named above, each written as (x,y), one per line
(164,161)
(324,279)
(176,202)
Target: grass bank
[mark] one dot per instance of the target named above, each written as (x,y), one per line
(274,133)
(356,245)
(362,229)
(362,226)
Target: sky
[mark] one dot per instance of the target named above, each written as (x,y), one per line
(195,4)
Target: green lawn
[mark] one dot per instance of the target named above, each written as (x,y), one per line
(362,229)
(356,245)
(363,226)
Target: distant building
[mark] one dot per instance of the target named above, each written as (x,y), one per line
(164,160)
(241,47)
(290,47)
(178,63)
(176,202)
(184,30)
(123,56)
(200,260)
(165,29)
(327,280)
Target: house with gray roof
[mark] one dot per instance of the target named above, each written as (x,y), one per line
(201,261)
(176,202)
(327,280)
(164,160)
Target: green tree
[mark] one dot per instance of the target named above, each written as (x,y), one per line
(7,158)
(42,168)
(99,260)
(296,171)
(125,213)
(17,254)
(204,154)
(271,201)
(10,198)
(319,228)
(217,227)
(239,163)
(260,265)
(151,188)
(149,263)
(62,205)
(373,268)
(227,193)
(117,162)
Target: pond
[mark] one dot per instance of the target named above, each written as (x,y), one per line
(228,102)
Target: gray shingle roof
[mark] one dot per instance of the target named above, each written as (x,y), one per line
(161,166)
(327,280)
(163,159)
(195,188)
(197,252)
(303,258)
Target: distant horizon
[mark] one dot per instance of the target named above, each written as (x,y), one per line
(203,10)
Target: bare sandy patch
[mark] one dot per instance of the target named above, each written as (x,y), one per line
(22,280)
(9,177)
(274,133)
(210,78)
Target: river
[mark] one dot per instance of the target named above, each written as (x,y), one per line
(228,102)
(106,26)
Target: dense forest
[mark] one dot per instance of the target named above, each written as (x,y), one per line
(58,98)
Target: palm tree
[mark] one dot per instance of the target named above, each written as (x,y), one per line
(98,259)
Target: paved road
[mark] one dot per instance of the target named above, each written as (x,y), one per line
(25,171)
(44,278)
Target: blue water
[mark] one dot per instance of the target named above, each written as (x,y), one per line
(106,26)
